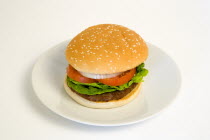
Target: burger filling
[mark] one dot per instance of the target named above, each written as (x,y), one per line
(108,96)
(114,88)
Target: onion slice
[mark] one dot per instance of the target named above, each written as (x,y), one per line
(99,76)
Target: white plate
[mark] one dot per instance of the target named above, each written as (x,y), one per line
(160,88)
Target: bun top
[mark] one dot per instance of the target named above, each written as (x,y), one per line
(106,49)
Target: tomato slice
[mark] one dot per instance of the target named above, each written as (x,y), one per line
(75,75)
(120,79)
(114,81)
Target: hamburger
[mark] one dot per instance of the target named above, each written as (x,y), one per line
(106,66)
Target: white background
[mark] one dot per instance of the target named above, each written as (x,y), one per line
(28,28)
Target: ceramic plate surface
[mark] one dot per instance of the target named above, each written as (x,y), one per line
(160,88)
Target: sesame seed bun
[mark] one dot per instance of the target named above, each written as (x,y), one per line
(106,49)
(103,105)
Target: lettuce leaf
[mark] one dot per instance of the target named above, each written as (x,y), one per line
(99,88)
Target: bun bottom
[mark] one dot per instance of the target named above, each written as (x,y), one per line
(103,105)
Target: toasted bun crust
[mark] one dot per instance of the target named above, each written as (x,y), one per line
(106,49)
(103,105)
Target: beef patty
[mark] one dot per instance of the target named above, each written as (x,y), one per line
(105,97)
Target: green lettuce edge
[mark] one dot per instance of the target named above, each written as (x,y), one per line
(99,88)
